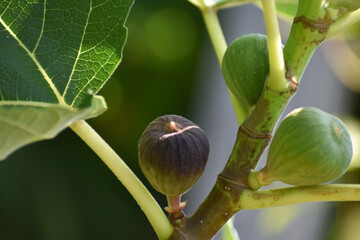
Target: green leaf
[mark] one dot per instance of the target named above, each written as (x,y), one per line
(54,56)
(287,10)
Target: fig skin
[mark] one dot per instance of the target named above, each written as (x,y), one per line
(245,67)
(310,147)
(173,152)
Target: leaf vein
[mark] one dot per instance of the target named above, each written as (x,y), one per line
(31,103)
(42,29)
(6,8)
(89,82)
(32,56)
(19,126)
(79,50)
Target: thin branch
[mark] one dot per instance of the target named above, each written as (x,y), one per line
(293,195)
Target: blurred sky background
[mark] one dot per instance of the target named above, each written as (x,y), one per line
(60,190)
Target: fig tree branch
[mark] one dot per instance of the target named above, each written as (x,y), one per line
(254,135)
(344,22)
(293,195)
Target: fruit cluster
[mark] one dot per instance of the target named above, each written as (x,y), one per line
(309,147)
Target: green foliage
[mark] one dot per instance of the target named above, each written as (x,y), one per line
(54,56)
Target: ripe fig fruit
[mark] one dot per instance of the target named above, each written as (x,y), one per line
(173,152)
(245,66)
(310,147)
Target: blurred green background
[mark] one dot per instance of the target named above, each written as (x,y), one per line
(60,190)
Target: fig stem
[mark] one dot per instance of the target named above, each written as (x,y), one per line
(143,197)
(175,208)
(254,182)
(277,80)
(293,195)
(219,44)
(172,127)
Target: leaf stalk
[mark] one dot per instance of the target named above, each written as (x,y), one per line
(217,38)
(277,80)
(143,197)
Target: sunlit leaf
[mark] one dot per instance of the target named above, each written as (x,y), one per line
(54,56)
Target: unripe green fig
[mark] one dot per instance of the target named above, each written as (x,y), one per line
(310,147)
(245,66)
(173,152)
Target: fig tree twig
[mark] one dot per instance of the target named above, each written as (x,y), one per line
(293,195)
(344,22)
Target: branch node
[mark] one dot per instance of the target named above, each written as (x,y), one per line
(293,84)
(264,135)
(227,180)
(322,25)
(181,233)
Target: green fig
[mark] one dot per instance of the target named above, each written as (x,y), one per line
(245,66)
(173,152)
(310,147)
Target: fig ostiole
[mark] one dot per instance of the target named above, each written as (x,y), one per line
(173,152)
(310,147)
(245,66)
